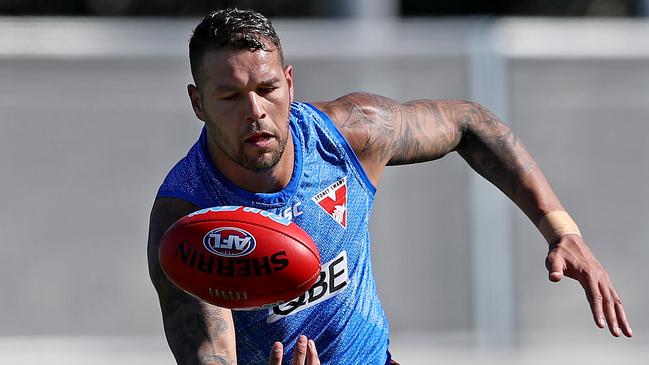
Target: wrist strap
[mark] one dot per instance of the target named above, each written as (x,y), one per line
(556,224)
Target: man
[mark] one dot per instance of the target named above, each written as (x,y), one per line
(318,164)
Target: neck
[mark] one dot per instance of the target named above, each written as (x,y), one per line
(269,181)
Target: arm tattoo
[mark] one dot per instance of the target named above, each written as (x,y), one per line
(363,118)
(197,333)
(395,133)
(215,321)
(492,149)
(190,326)
(213,359)
(427,132)
(384,131)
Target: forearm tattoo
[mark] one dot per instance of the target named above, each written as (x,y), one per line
(192,327)
(215,321)
(197,333)
(493,150)
(212,359)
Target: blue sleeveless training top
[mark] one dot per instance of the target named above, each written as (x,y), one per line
(330,197)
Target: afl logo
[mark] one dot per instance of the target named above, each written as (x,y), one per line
(229,242)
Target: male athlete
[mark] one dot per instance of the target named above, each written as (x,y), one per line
(318,164)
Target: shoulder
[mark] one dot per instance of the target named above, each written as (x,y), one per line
(359,108)
(367,121)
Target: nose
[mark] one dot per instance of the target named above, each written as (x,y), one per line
(255,110)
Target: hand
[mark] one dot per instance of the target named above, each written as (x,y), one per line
(305,353)
(571,257)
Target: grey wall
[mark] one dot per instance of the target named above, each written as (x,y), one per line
(84,144)
(88,131)
(586,123)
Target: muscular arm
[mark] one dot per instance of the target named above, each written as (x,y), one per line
(197,332)
(384,132)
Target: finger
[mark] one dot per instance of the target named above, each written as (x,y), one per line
(276,353)
(312,353)
(299,354)
(609,310)
(595,300)
(555,265)
(622,321)
(621,316)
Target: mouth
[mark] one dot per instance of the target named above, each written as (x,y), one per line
(260,139)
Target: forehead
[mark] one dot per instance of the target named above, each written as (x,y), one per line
(240,66)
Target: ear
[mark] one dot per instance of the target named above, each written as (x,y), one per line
(288,74)
(195,98)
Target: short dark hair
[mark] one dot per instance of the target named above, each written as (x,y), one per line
(233,29)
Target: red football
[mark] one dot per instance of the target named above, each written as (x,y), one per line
(239,257)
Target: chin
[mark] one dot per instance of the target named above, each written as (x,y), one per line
(263,163)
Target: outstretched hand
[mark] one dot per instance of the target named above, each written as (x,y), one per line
(305,353)
(571,257)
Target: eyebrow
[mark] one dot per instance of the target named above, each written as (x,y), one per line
(270,82)
(265,83)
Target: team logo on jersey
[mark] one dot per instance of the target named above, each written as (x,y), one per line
(334,278)
(333,200)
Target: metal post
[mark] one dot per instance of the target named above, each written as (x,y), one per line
(491,210)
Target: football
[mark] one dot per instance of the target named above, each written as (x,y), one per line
(239,257)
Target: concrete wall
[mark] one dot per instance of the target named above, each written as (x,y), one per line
(94,113)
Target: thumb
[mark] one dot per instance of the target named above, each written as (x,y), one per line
(555,264)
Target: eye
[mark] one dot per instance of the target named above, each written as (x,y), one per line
(267,90)
(231,96)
